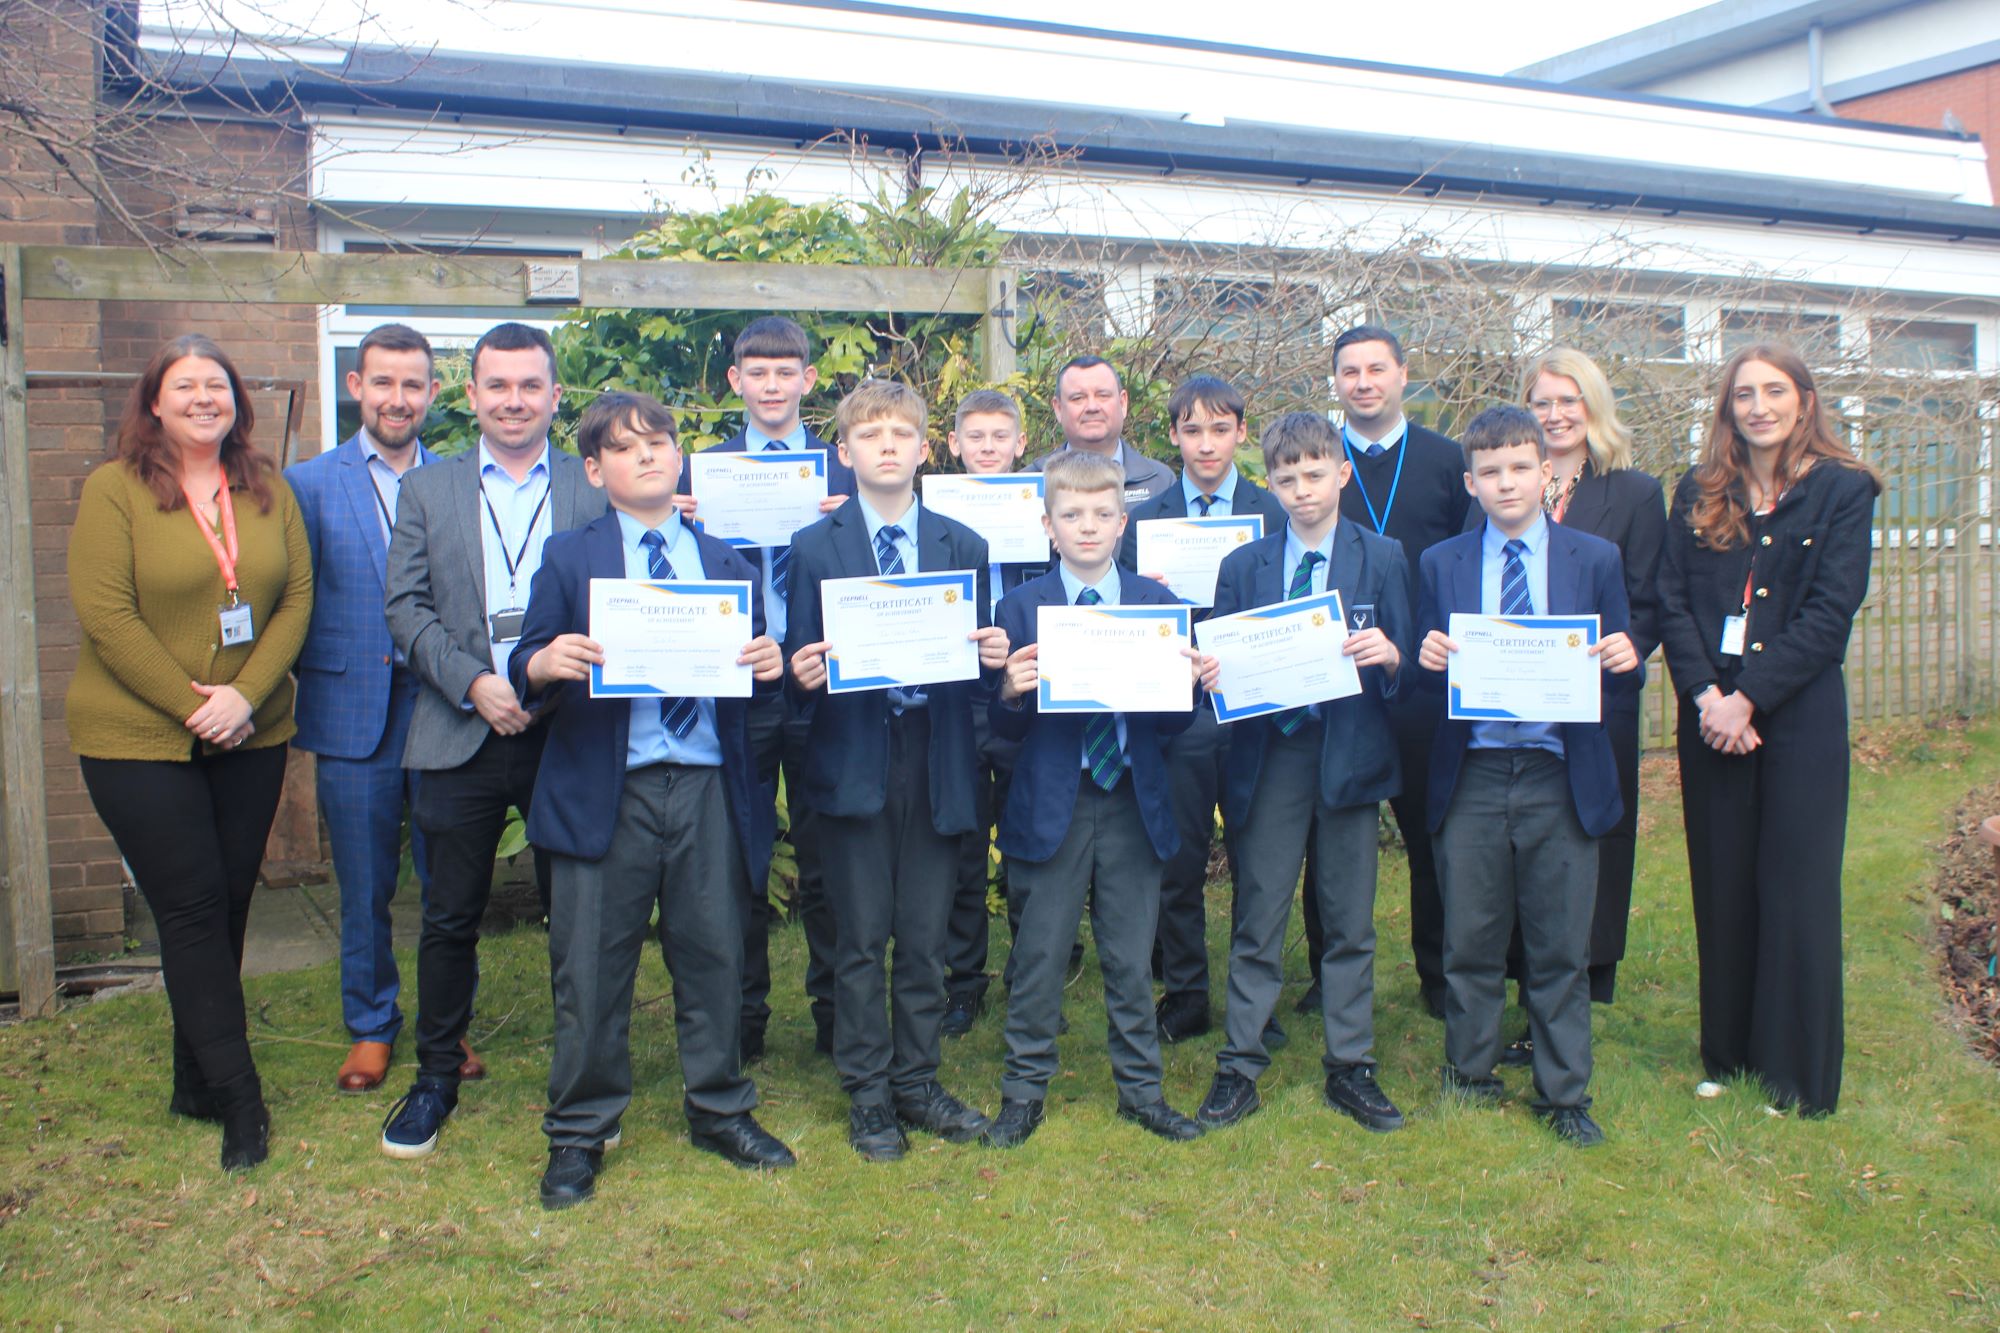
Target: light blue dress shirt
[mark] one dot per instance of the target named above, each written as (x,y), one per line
(514,505)
(906,547)
(1221,507)
(1107,588)
(1535,560)
(387,481)
(757,442)
(649,741)
(1364,445)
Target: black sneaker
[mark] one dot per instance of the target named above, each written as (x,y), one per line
(750,1045)
(1019,1117)
(1482,1091)
(1352,1090)
(1574,1126)
(960,1013)
(1519,1053)
(1275,1037)
(1182,1016)
(1161,1119)
(874,1133)
(411,1129)
(571,1177)
(936,1111)
(1231,1097)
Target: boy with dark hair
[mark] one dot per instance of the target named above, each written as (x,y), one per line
(891,773)
(1311,777)
(1516,807)
(1206,416)
(772,372)
(644,804)
(1087,818)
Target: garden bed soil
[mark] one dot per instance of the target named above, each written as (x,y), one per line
(1968,898)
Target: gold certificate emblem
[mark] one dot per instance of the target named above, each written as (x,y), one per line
(1027,492)
(1165,629)
(951,596)
(805,471)
(728,607)
(1576,641)
(1319,620)
(1241,536)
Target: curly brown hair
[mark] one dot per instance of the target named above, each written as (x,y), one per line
(1721,513)
(142,445)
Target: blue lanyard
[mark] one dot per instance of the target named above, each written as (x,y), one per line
(1380,521)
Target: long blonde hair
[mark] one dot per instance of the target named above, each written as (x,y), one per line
(1608,440)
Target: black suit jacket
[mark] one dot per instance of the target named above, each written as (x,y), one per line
(846,771)
(1049,771)
(1358,760)
(583,763)
(1248,498)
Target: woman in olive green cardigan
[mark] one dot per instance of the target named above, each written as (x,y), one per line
(192,581)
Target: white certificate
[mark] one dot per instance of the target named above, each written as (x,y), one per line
(1279,657)
(1006,510)
(1524,669)
(1113,659)
(900,629)
(670,637)
(1189,551)
(757,499)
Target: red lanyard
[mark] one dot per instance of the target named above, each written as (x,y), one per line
(224,548)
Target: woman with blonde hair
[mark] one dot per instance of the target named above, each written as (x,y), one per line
(1766,564)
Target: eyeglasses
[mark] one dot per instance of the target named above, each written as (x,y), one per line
(1567,402)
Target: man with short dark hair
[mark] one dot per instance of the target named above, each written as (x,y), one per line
(467,543)
(1090,406)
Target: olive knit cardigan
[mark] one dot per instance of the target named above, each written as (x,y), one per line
(147,593)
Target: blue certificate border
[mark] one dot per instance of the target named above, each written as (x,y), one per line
(774,459)
(1254,522)
(965,581)
(740,592)
(1223,712)
(1180,617)
(1458,711)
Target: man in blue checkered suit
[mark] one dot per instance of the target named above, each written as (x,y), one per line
(355,694)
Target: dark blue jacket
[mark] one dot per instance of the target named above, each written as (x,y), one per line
(1586,577)
(1042,800)
(583,761)
(846,770)
(1358,760)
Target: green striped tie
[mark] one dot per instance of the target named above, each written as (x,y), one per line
(1100,735)
(1302,585)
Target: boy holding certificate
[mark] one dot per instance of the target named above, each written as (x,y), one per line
(1088,807)
(890,771)
(1311,777)
(644,802)
(1516,807)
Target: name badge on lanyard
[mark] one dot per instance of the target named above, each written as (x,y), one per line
(233,616)
(1735,629)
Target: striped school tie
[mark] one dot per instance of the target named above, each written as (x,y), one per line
(1514,598)
(888,559)
(1100,735)
(677,715)
(1302,585)
(780,556)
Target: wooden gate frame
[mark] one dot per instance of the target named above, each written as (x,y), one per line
(106,273)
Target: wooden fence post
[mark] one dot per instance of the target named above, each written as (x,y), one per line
(27,938)
(997,326)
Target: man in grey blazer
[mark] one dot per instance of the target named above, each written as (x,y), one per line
(468,540)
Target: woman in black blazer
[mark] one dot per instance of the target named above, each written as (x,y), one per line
(1766,564)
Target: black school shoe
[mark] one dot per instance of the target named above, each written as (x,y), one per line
(1574,1126)
(935,1111)
(1520,1052)
(740,1139)
(1477,1091)
(1231,1097)
(960,1013)
(1182,1016)
(1161,1119)
(1353,1092)
(873,1132)
(571,1177)
(1019,1118)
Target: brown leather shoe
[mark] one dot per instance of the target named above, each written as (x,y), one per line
(472,1067)
(367,1064)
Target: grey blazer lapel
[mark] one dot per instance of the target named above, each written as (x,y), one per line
(469,510)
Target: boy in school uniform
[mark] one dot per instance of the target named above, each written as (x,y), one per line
(1209,425)
(1311,777)
(1516,807)
(986,439)
(643,803)
(772,372)
(1087,817)
(891,774)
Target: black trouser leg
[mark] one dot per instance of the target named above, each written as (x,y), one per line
(1415,721)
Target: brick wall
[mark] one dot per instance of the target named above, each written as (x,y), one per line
(1973,95)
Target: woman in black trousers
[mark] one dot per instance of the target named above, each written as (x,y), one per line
(1766,564)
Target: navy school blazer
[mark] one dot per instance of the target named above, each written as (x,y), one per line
(1358,759)
(1248,498)
(583,761)
(846,769)
(1586,577)
(1049,771)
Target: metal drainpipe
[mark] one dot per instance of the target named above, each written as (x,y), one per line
(1816,70)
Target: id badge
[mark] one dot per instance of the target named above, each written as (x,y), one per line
(1361,616)
(506,625)
(236,626)
(1733,631)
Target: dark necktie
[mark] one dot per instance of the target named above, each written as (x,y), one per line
(888,559)
(1206,502)
(677,715)
(1514,598)
(781,556)
(1100,734)
(1292,719)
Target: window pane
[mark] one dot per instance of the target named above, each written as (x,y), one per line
(1921,344)
(1629,329)
(1814,337)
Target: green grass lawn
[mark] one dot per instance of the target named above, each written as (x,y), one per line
(1698,1214)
